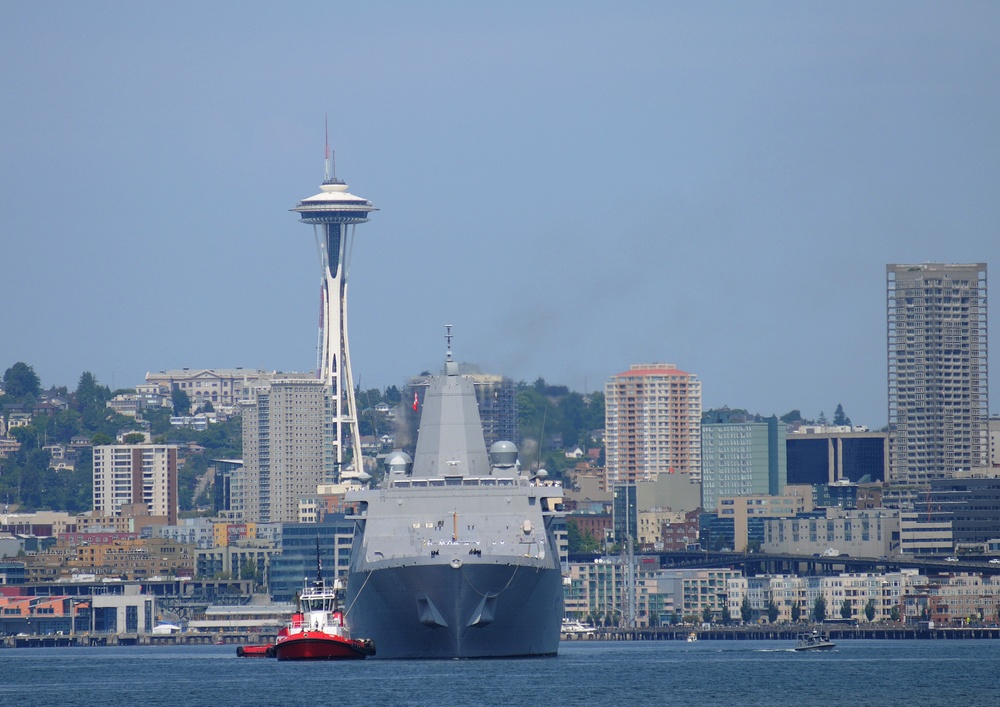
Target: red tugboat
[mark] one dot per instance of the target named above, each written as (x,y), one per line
(262,651)
(317,630)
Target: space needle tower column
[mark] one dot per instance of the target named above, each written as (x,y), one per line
(333,214)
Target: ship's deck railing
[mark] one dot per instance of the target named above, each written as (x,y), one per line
(476,481)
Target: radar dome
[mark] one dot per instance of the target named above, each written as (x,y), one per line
(503,454)
(398,462)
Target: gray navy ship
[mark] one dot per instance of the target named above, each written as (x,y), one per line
(455,553)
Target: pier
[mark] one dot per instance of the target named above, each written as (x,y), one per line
(786,633)
(84,640)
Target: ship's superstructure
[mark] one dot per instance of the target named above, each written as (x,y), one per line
(455,555)
(334,213)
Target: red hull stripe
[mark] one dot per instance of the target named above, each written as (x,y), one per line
(310,648)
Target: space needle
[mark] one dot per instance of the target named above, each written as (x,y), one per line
(333,214)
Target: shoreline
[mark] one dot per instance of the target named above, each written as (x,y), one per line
(717,633)
(789,632)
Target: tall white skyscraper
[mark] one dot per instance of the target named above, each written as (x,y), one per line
(127,474)
(283,450)
(652,423)
(937,370)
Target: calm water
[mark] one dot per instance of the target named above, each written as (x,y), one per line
(703,673)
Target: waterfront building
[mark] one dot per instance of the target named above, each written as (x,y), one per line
(328,499)
(964,598)
(284,449)
(884,593)
(971,502)
(683,534)
(742,459)
(297,557)
(748,514)
(867,533)
(40,523)
(652,424)
(130,519)
(199,532)
(651,524)
(597,592)
(243,560)
(692,594)
(925,535)
(225,469)
(127,474)
(993,431)
(597,526)
(938,370)
(625,510)
(134,559)
(826,455)
(334,213)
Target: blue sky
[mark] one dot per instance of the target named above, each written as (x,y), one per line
(574,186)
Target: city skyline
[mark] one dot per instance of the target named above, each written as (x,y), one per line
(764,165)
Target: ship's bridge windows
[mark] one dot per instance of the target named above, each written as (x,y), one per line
(437,482)
(505,482)
(489,482)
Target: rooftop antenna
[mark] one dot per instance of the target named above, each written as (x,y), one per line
(450,367)
(447,338)
(330,163)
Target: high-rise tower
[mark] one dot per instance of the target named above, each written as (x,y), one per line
(652,419)
(938,382)
(334,213)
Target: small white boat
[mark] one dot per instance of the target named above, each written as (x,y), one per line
(692,637)
(814,641)
(571,627)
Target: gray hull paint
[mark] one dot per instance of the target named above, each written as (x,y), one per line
(475,611)
(456,558)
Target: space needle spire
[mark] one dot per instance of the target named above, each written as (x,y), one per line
(333,214)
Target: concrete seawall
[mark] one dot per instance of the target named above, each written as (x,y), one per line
(787,633)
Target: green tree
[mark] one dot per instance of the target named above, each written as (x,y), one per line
(181,402)
(20,380)
(870,610)
(134,438)
(727,617)
(746,612)
(706,614)
(839,418)
(796,612)
(772,611)
(819,610)
(578,541)
(90,394)
(845,609)
(249,570)
(894,614)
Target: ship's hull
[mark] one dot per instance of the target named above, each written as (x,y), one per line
(475,610)
(316,645)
